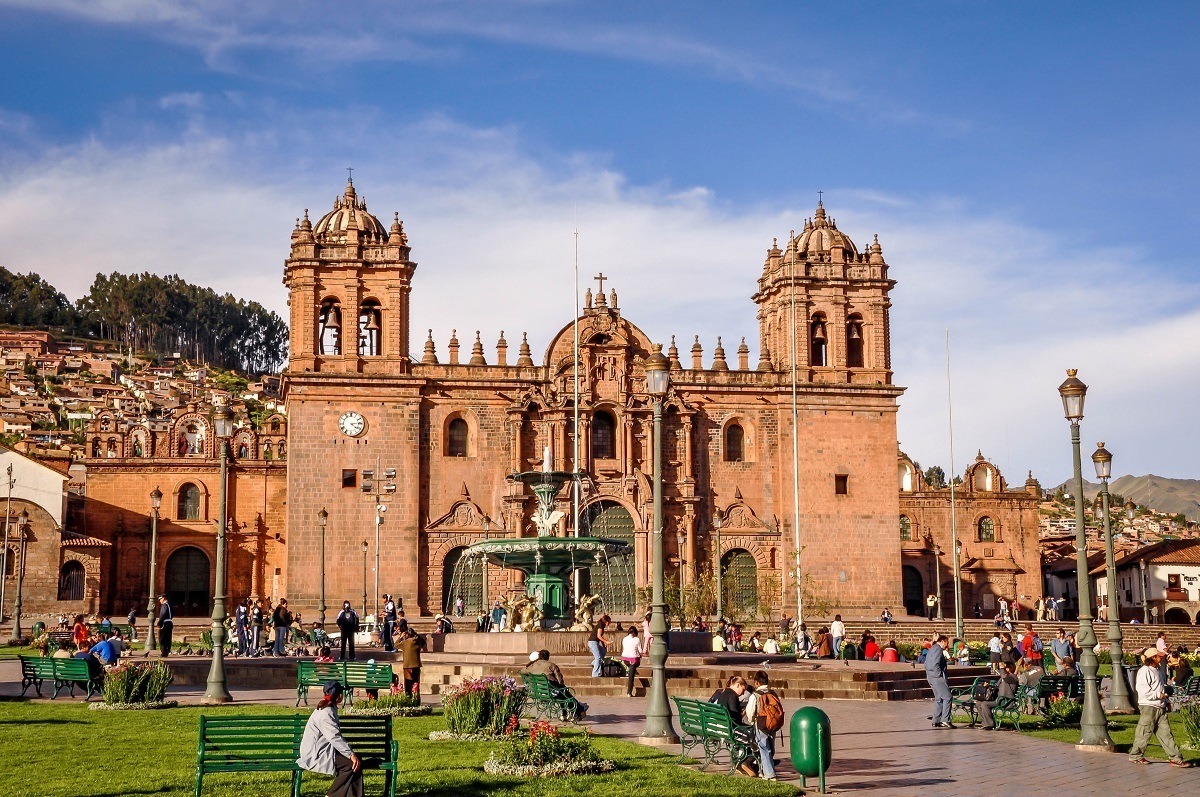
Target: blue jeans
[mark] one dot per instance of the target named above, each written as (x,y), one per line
(766,752)
(281,635)
(597,656)
(837,645)
(941,698)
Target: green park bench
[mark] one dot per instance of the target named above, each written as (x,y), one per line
(709,726)
(548,701)
(350,674)
(1032,702)
(63,673)
(963,698)
(271,743)
(126,631)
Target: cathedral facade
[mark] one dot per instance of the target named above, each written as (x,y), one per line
(408,455)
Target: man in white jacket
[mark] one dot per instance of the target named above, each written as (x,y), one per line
(1154,704)
(323,749)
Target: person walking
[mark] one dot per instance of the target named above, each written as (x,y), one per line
(347,623)
(241,621)
(281,618)
(389,623)
(597,647)
(631,655)
(499,617)
(764,711)
(324,749)
(411,645)
(257,626)
(132,618)
(165,625)
(935,672)
(1153,703)
(837,630)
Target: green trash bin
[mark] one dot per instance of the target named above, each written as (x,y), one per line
(811,746)
(39,628)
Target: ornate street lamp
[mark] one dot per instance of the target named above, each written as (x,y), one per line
(658,714)
(218,691)
(155,502)
(322,520)
(1093,725)
(1118,693)
(22,532)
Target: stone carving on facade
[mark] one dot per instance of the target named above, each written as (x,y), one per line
(465,514)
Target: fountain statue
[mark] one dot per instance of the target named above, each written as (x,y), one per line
(548,561)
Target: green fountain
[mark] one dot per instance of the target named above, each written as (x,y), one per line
(549,561)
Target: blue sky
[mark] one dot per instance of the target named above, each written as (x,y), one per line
(1030,169)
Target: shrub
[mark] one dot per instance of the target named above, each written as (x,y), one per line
(1063,710)
(136,682)
(544,751)
(398,705)
(483,705)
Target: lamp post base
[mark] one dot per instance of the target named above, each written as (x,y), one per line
(658,741)
(1096,748)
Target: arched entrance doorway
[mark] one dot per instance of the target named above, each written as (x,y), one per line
(914,590)
(187,582)
(739,584)
(71,581)
(614,581)
(1177,616)
(462,580)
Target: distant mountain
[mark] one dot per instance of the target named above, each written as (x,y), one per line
(1171,496)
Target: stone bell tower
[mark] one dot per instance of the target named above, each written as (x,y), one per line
(349,281)
(841,312)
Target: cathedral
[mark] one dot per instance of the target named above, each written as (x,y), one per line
(408,455)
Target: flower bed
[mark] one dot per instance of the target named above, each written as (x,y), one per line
(133,706)
(132,683)
(544,751)
(1063,710)
(483,706)
(389,706)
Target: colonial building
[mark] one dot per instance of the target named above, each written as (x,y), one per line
(39,547)
(178,454)
(996,527)
(430,439)
(1158,583)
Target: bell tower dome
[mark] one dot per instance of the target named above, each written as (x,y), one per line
(349,280)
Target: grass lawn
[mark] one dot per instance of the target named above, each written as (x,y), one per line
(12,651)
(1120,730)
(65,749)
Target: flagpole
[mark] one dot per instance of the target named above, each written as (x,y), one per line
(958,613)
(576,487)
(795,434)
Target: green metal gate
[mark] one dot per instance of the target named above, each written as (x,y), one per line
(613,581)
(739,583)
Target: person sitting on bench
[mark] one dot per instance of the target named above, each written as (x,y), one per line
(987,695)
(323,749)
(540,664)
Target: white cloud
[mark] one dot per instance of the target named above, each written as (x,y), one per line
(492,228)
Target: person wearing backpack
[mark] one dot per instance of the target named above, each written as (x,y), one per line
(764,711)
(1031,647)
(987,694)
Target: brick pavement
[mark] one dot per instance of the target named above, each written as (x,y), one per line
(885,749)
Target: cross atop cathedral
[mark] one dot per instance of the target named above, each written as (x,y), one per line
(600,278)
(350,173)
(820,196)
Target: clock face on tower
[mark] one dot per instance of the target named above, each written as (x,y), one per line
(352,424)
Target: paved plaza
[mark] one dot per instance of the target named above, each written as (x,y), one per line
(879,748)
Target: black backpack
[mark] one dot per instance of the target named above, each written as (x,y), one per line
(987,691)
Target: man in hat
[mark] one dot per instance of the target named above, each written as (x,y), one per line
(539,663)
(324,749)
(1154,704)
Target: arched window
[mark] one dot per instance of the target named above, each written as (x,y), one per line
(987,530)
(268,451)
(457,438)
(854,341)
(370,323)
(70,582)
(112,448)
(189,502)
(905,528)
(817,341)
(735,443)
(283,449)
(96,447)
(604,436)
(330,330)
